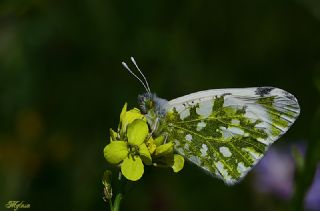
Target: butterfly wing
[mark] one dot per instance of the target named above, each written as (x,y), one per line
(227,131)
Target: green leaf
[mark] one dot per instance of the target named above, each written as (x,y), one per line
(132,168)
(137,132)
(145,154)
(116,151)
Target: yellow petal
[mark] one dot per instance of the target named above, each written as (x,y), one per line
(159,140)
(134,114)
(137,132)
(130,116)
(132,168)
(145,154)
(116,151)
(164,149)
(178,163)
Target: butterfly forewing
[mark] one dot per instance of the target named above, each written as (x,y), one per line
(227,131)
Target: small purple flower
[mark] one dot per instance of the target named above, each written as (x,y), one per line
(312,200)
(275,174)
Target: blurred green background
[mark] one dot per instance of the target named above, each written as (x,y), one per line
(62,87)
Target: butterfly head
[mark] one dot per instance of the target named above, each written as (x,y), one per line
(151,104)
(153,107)
(146,102)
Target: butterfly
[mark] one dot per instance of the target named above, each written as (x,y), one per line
(223,131)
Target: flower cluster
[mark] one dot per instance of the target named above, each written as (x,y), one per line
(134,146)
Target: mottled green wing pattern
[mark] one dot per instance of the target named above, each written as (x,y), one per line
(227,131)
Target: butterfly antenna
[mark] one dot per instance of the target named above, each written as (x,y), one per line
(126,66)
(145,79)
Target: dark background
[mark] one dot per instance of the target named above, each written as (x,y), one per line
(62,87)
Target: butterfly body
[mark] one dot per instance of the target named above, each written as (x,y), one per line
(223,131)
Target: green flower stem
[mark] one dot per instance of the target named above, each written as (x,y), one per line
(120,184)
(111,206)
(117,201)
(115,206)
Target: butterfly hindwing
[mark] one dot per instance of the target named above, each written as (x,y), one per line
(227,131)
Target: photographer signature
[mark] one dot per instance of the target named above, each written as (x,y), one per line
(15,205)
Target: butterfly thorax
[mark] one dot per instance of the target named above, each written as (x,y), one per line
(154,108)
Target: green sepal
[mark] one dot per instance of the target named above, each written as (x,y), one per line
(113,135)
(164,149)
(151,145)
(122,115)
(145,154)
(159,140)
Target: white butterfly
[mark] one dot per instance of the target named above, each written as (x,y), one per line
(223,131)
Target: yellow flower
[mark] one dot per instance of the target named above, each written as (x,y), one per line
(132,147)
(132,153)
